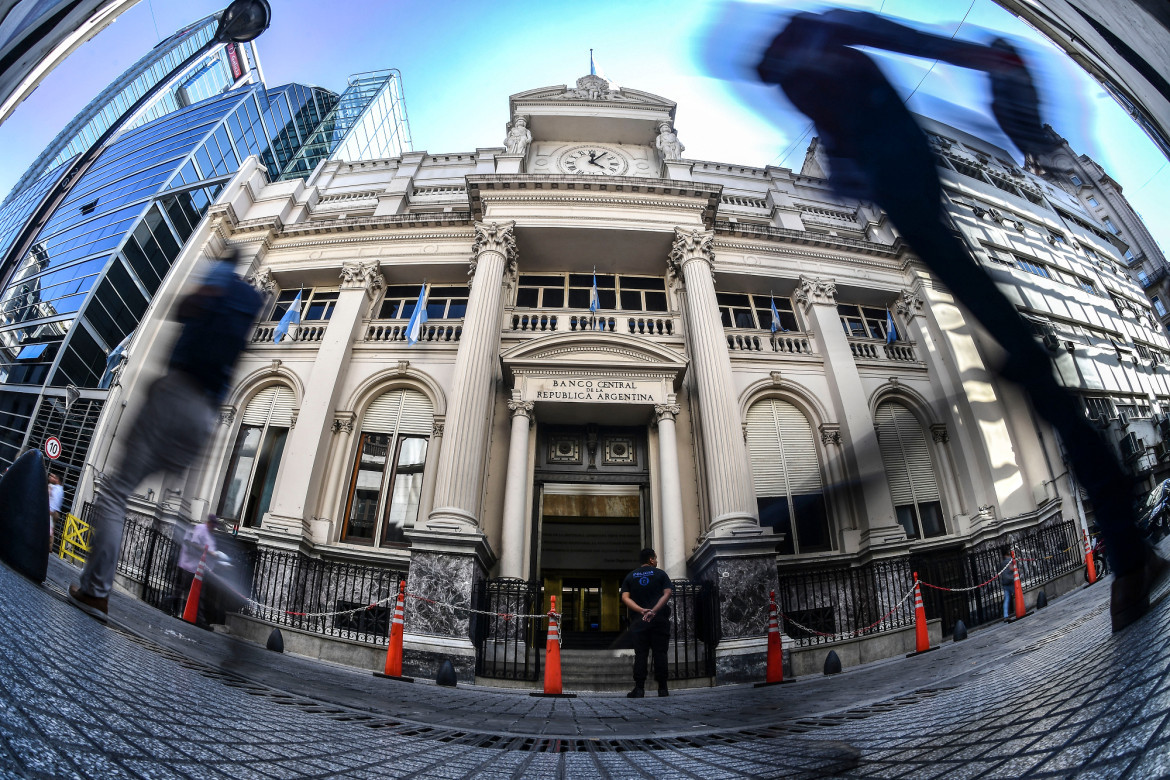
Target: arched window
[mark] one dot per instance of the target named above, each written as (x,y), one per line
(787,476)
(255,458)
(910,472)
(386,482)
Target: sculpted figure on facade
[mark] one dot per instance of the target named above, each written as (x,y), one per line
(263,281)
(908,305)
(668,144)
(810,291)
(590,87)
(493,237)
(519,136)
(367,276)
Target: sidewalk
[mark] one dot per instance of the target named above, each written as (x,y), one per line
(1013,699)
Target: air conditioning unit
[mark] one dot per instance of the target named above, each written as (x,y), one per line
(1052,342)
(1123,419)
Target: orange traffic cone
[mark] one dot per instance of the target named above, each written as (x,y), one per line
(921,635)
(191,611)
(552,657)
(393,668)
(1018,594)
(775,669)
(1090,564)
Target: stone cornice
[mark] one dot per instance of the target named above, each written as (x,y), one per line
(461,238)
(398,221)
(486,186)
(801,254)
(769,233)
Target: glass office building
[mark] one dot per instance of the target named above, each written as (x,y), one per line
(368,123)
(82,288)
(221,69)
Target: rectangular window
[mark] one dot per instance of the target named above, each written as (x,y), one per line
(388,478)
(743,310)
(1159,306)
(1093,201)
(443,302)
(614,292)
(862,322)
(1032,266)
(1099,409)
(316,304)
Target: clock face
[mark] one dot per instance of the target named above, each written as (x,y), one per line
(593,161)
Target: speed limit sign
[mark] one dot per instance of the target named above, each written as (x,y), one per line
(53,447)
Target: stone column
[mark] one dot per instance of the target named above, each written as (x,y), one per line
(331,513)
(449,554)
(301,477)
(731,503)
(460,484)
(673,555)
(431,469)
(818,299)
(512,541)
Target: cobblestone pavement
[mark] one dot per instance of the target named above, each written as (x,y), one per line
(1054,695)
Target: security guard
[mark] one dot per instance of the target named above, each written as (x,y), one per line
(646,592)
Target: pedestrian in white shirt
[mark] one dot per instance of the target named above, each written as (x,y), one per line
(56,500)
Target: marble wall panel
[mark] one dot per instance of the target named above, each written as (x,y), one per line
(444,584)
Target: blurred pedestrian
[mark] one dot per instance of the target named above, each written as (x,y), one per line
(56,500)
(1007,581)
(878,152)
(198,544)
(177,417)
(646,593)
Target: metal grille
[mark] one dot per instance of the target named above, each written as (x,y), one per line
(695,630)
(150,557)
(74,429)
(845,599)
(291,585)
(508,649)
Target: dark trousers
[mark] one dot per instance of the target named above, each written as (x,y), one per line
(654,637)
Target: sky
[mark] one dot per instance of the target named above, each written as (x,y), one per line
(461,59)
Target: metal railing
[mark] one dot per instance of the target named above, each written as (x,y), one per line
(150,558)
(841,600)
(295,588)
(511,649)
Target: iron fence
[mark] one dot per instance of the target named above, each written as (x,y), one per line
(507,648)
(150,557)
(842,600)
(511,649)
(305,593)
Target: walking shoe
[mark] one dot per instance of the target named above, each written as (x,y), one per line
(1129,599)
(90,605)
(662,691)
(637,693)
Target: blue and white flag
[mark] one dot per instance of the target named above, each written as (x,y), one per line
(776,326)
(594,299)
(418,319)
(291,317)
(595,70)
(891,331)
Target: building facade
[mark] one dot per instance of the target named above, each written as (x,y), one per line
(626,348)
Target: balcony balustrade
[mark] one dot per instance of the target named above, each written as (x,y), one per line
(437,332)
(561,321)
(877,349)
(751,340)
(300,334)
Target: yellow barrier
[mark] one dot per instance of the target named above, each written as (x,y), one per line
(75,538)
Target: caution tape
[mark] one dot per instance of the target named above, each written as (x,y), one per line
(994,577)
(855,632)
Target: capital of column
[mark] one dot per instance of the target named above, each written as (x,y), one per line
(343,423)
(810,291)
(227,414)
(493,237)
(690,245)
(437,427)
(831,434)
(665,411)
(263,281)
(909,305)
(362,276)
(521,409)
(939,433)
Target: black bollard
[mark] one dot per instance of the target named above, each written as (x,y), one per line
(24,517)
(446,676)
(1041,600)
(276,641)
(960,632)
(833,663)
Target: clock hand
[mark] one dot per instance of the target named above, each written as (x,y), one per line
(603,154)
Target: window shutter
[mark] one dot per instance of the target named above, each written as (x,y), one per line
(768,474)
(800,452)
(400,411)
(782,449)
(905,455)
(417,414)
(271,406)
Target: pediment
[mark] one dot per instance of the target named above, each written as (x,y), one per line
(589,90)
(598,351)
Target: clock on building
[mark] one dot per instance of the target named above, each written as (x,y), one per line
(593,161)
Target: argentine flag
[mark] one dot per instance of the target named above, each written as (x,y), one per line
(291,317)
(776,319)
(891,331)
(418,319)
(594,300)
